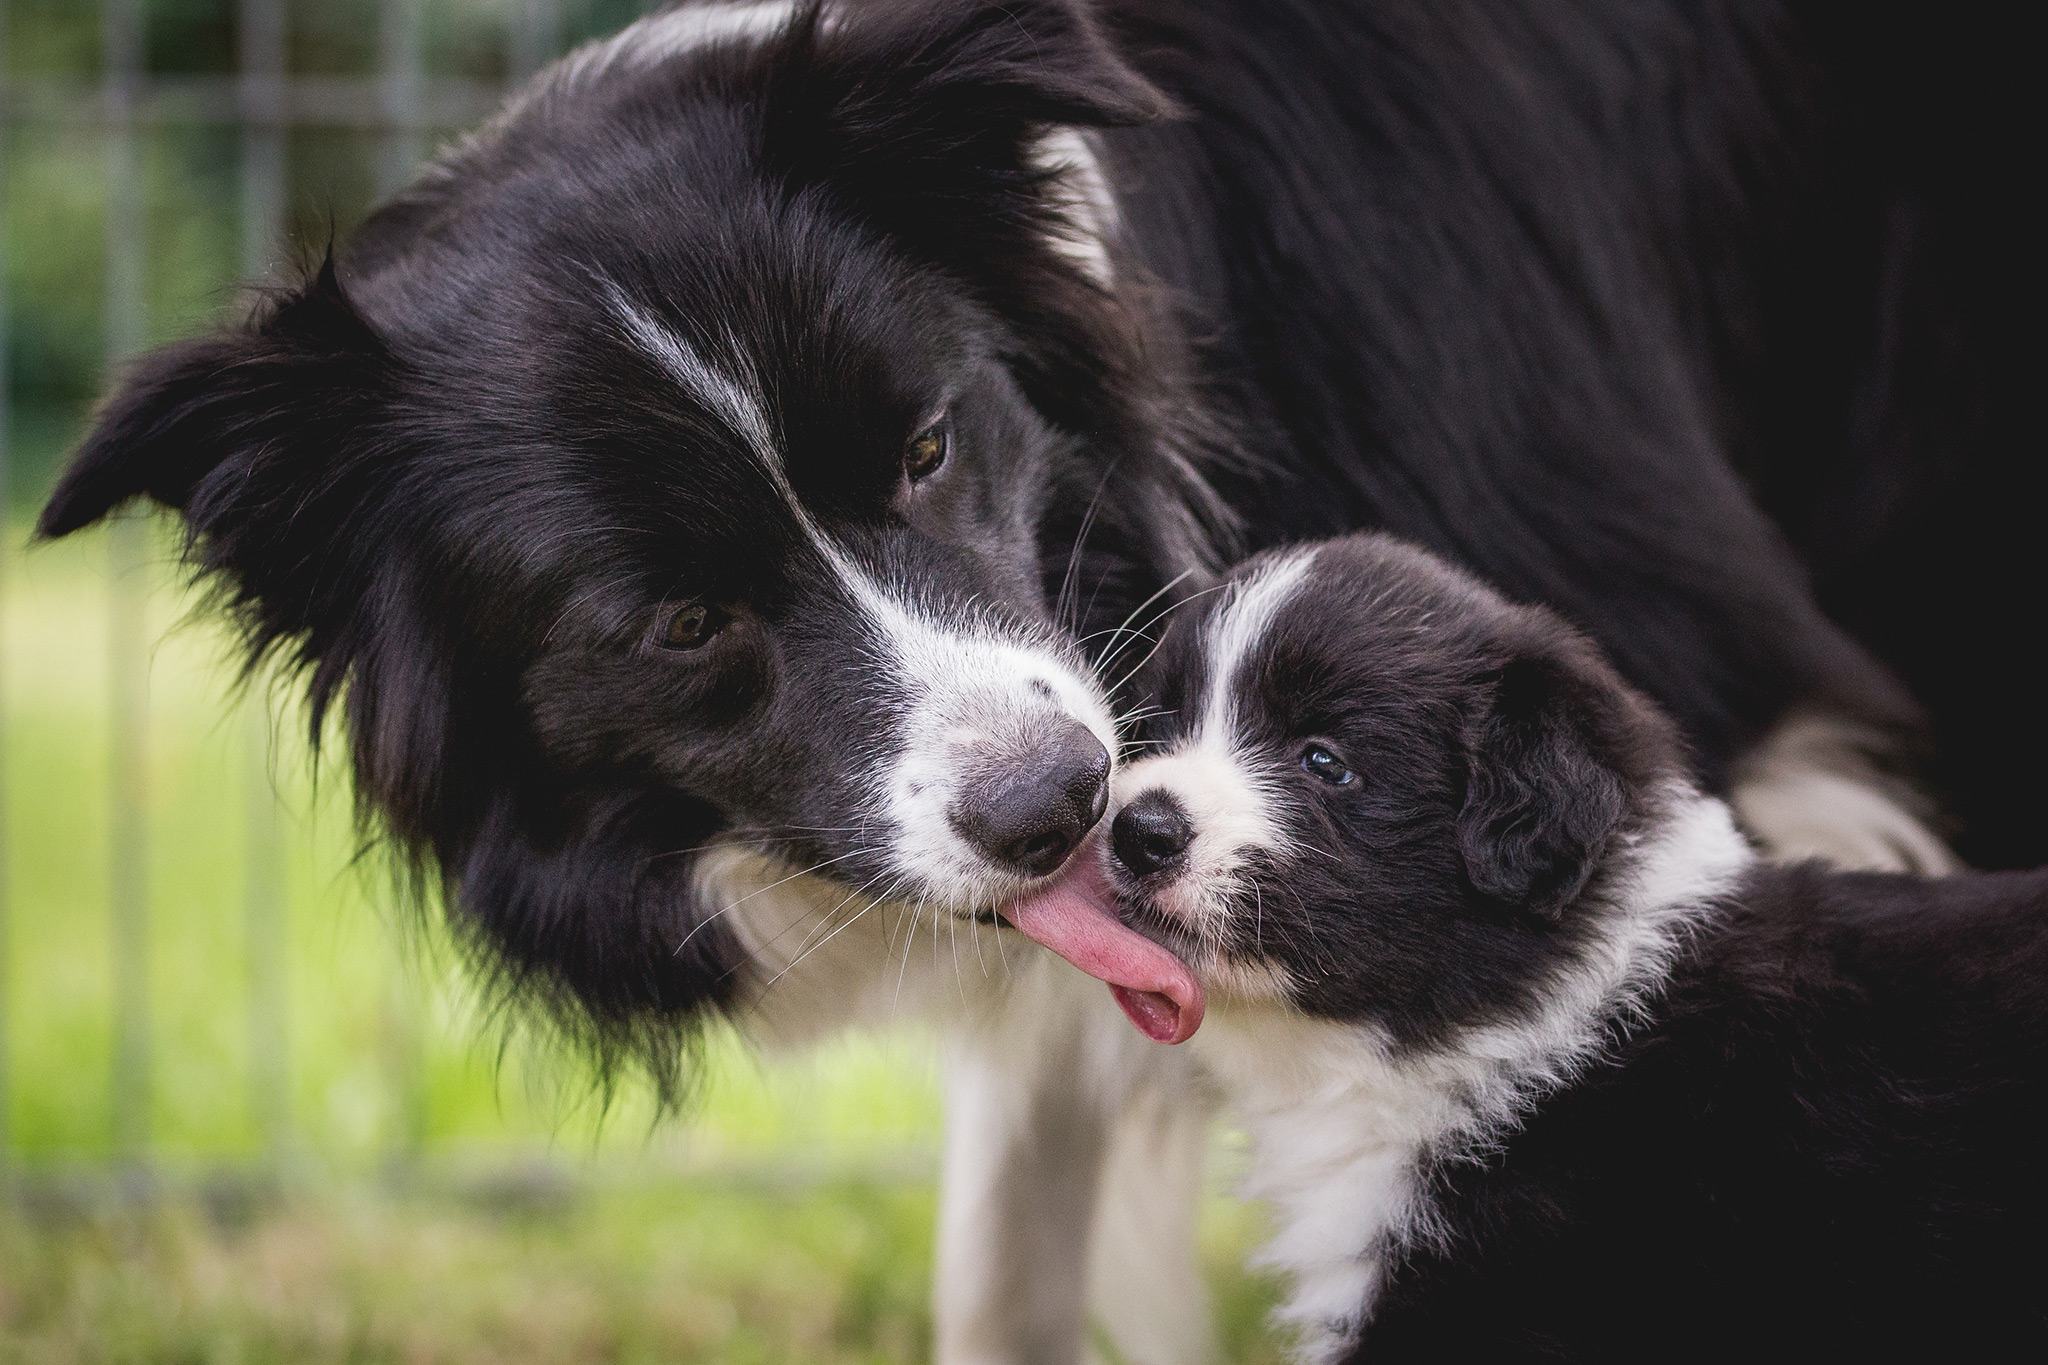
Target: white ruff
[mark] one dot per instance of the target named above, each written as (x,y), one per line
(1340,1125)
(1042,1068)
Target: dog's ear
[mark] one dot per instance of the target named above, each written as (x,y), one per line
(920,79)
(286,387)
(272,440)
(926,114)
(264,437)
(1551,760)
(952,128)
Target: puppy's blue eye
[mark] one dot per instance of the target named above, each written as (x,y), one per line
(1317,761)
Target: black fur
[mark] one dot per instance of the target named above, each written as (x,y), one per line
(1826,1146)
(1501,277)
(1820,1139)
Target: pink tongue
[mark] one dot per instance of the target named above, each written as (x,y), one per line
(1076,919)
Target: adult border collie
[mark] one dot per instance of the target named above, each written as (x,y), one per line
(1537,1060)
(712,492)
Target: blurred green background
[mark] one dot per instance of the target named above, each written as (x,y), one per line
(334,1156)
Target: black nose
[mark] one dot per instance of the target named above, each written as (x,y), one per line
(1151,833)
(1029,815)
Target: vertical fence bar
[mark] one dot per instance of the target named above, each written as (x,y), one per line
(260,55)
(400,60)
(128,651)
(536,34)
(7,529)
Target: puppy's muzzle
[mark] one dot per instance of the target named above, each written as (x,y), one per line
(1028,811)
(1151,834)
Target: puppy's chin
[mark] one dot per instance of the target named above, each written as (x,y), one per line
(1237,979)
(1229,973)
(1143,911)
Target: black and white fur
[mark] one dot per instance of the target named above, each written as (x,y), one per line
(1529,283)
(1537,1059)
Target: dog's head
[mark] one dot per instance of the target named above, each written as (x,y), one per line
(1378,791)
(694,457)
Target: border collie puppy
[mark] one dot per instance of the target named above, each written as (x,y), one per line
(707,493)
(1537,1059)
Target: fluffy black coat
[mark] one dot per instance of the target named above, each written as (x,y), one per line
(1568,292)
(1529,283)
(1826,1144)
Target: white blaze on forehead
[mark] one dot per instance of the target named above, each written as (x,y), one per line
(691,26)
(738,404)
(1229,797)
(1235,631)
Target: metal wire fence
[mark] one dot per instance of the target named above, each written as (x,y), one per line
(315,136)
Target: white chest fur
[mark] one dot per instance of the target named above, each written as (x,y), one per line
(1339,1125)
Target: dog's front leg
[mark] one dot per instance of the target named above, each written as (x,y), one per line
(1812,788)
(1026,1131)
(1049,1096)
(1147,1294)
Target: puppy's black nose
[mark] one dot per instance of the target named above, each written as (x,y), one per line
(1151,833)
(1030,815)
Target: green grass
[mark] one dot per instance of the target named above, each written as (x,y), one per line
(675,1271)
(724,1270)
(440,1199)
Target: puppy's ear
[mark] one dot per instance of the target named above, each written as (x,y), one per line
(1545,786)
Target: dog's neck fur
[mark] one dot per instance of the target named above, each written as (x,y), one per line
(1341,1124)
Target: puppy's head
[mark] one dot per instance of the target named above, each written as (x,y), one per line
(692,458)
(1377,790)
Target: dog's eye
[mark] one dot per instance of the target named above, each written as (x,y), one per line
(1317,761)
(690,626)
(928,450)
